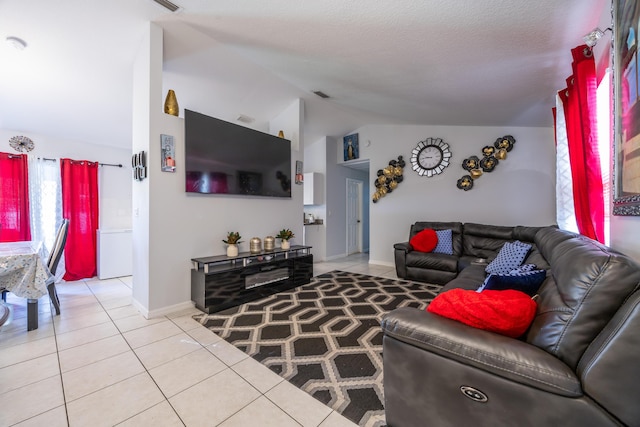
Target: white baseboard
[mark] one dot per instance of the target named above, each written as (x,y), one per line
(384,263)
(159,312)
(330,258)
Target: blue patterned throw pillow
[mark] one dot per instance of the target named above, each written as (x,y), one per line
(445,242)
(509,258)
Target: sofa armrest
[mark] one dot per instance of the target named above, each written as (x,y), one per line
(506,357)
(404,246)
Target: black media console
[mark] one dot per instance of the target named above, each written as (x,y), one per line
(220,282)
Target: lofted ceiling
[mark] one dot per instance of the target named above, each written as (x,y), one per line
(437,62)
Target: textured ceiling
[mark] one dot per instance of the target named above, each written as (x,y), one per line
(445,62)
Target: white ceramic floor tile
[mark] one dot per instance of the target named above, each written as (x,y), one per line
(86,335)
(126,324)
(92,352)
(80,310)
(116,302)
(337,420)
(120,312)
(186,323)
(63,325)
(114,404)
(30,350)
(261,409)
(161,415)
(166,350)
(31,371)
(98,375)
(148,334)
(300,405)
(225,394)
(21,404)
(57,417)
(204,336)
(127,280)
(187,312)
(226,352)
(258,375)
(182,373)
(16,332)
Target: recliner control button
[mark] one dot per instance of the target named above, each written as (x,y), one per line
(474,394)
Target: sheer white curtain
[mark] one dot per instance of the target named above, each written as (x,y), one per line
(565,209)
(45,200)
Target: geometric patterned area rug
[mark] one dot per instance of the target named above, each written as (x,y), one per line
(324,337)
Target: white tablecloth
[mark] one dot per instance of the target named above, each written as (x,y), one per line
(22,269)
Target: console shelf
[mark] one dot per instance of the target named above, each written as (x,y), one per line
(220,282)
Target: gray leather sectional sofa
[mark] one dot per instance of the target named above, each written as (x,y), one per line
(470,242)
(577,365)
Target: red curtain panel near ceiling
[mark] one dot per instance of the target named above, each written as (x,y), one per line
(14,198)
(80,206)
(579,101)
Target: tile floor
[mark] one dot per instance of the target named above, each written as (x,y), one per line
(101,363)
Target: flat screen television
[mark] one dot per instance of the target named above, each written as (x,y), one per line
(225,158)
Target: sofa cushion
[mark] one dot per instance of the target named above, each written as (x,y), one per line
(425,241)
(587,285)
(455,227)
(445,242)
(506,312)
(432,261)
(510,257)
(485,241)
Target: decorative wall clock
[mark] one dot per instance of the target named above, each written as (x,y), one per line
(21,143)
(430,157)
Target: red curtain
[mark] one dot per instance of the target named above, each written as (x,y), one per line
(14,198)
(579,101)
(80,207)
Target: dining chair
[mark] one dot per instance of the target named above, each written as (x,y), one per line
(54,259)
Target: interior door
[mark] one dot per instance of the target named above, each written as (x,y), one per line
(354,216)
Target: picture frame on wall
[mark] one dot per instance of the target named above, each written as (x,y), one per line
(626,147)
(168,153)
(351,149)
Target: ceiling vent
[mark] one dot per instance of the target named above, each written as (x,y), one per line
(244,119)
(167,5)
(321,94)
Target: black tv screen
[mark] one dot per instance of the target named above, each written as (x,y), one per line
(225,158)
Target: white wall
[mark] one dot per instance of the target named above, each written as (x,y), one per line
(520,191)
(173,226)
(115,183)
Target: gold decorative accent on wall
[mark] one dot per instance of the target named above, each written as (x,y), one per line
(171,104)
(491,157)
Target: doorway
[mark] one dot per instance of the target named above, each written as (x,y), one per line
(354,216)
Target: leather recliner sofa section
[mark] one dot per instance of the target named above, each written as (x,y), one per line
(470,242)
(576,366)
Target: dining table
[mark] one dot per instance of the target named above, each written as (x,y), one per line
(24,273)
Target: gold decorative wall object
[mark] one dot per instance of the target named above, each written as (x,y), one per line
(388,178)
(171,104)
(491,157)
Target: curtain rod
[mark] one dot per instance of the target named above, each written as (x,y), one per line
(101,164)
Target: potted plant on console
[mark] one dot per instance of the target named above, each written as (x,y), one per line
(233,239)
(285,234)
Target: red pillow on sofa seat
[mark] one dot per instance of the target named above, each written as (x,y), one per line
(424,241)
(507,312)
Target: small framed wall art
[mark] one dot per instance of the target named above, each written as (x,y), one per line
(168,153)
(351,150)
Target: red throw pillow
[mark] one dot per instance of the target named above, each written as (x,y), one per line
(424,241)
(507,312)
